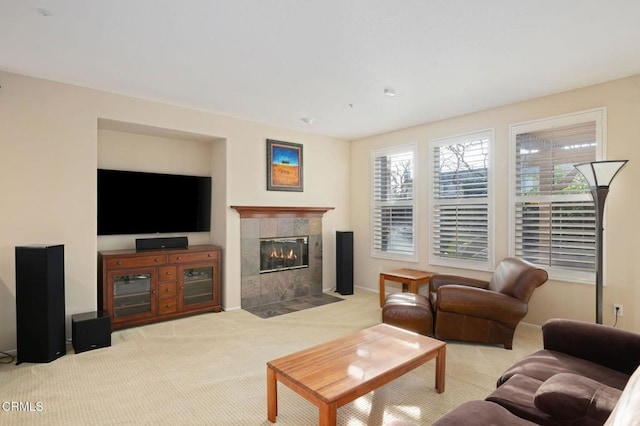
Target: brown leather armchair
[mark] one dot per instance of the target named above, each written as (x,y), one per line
(479,311)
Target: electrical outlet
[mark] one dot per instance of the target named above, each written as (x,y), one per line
(617,309)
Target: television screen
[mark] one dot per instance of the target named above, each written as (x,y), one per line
(149,203)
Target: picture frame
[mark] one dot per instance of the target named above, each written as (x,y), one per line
(284,166)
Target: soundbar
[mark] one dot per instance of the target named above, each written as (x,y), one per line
(160,243)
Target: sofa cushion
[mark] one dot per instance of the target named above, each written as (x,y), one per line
(516,395)
(543,364)
(567,396)
(480,413)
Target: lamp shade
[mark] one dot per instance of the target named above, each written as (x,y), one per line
(600,173)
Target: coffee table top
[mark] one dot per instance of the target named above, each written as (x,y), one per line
(356,361)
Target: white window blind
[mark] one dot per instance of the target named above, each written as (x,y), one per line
(393,206)
(460,201)
(554,214)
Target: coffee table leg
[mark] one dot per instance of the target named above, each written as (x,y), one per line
(382,296)
(440,368)
(328,414)
(272,395)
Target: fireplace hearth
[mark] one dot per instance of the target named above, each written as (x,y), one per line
(282,254)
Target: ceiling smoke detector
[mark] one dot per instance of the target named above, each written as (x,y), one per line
(308,120)
(44,12)
(388,91)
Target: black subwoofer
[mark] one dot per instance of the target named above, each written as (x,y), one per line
(90,330)
(344,262)
(40,308)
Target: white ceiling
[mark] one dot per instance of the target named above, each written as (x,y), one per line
(278,61)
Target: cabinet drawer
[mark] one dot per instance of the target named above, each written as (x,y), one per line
(134,262)
(167,290)
(167,306)
(193,257)
(167,273)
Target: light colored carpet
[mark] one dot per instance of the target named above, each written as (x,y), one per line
(211,370)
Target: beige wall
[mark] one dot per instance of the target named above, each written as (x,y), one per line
(48,160)
(554,299)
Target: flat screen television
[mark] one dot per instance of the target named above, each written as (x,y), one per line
(149,203)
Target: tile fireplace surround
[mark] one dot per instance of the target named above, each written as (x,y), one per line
(278,222)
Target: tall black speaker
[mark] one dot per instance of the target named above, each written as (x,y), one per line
(40,312)
(344,262)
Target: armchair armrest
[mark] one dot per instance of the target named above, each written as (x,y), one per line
(612,347)
(480,303)
(439,280)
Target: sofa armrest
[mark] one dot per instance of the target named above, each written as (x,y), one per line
(480,303)
(608,346)
(570,397)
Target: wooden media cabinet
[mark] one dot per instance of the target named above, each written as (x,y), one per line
(142,287)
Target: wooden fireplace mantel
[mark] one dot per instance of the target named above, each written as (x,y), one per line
(269,211)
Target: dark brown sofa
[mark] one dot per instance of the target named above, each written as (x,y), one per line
(584,372)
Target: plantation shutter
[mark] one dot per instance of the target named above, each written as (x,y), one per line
(460,199)
(554,211)
(393,206)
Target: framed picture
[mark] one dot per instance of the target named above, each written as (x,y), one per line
(284,166)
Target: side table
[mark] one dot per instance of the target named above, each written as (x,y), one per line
(411,279)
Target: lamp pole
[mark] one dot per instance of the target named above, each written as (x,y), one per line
(599,195)
(599,175)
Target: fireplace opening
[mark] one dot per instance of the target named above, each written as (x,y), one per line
(281,254)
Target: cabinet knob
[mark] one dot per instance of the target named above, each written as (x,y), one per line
(168,273)
(167,306)
(153,292)
(167,289)
(156,260)
(179,257)
(209,255)
(119,262)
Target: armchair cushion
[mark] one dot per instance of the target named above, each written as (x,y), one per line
(480,303)
(567,396)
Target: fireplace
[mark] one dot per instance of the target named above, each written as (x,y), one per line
(281,254)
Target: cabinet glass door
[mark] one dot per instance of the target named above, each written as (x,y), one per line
(198,285)
(131,294)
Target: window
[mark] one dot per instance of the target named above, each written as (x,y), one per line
(553,215)
(461,201)
(393,226)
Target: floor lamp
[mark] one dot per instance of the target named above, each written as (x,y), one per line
(599,175)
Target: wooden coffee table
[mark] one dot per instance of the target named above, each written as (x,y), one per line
(335,373)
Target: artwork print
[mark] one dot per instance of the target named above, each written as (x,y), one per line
(284,166)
